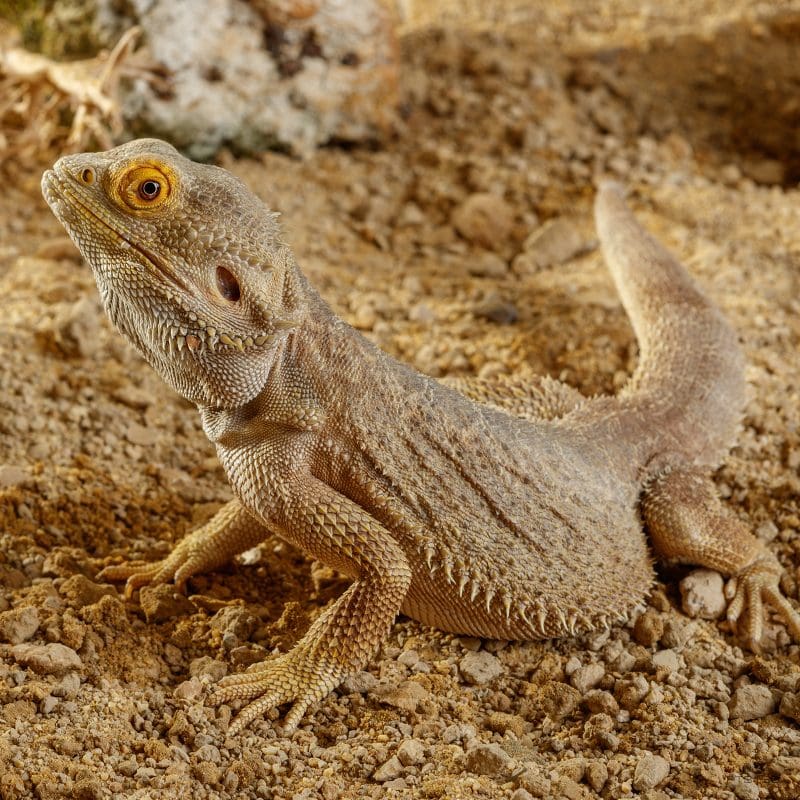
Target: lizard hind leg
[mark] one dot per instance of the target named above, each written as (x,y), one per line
(688,524)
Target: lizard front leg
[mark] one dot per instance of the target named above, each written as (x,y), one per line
(231,531)
(688,524)
(329,527)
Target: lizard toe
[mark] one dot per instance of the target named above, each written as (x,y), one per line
(294,677)
(754,591)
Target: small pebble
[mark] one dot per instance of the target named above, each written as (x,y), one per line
(702,594)
(751,702)
(651,771)
(487,759)
(479,668)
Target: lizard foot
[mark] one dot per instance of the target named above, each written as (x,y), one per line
(295,677)
(230,531)
(178,566)
(749,591)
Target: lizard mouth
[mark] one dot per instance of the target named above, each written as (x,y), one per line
(59,194)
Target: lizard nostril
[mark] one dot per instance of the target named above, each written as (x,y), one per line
(87,176)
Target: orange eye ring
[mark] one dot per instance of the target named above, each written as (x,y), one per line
(145,187)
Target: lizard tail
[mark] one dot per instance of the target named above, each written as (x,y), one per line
(691,369)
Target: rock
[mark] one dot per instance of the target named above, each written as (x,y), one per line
(19,624)
(68,687)
(498,311)
(11,476)
(744,789)
(500,722)
(359,683)
(411,752)
(162,602)
(458,732)
(599,701)
(236,620)
(487,759)
(188,690)
(751,702)
(487,265)
(141,435)
(648,628)
(48,659)
(533,782)
(596,775)
(790,706)
(667,659)
(586,678)
(702,594)
(555,242)
(406,696)
(651,771)
(76,328)
(559,700)
(78,591)
(484,219)
(248,75)
(481,667)
(389,770)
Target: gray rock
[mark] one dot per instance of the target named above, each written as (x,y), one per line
(19,624)
(389,770)
(586,678)
(48,659)
(702,594)
(487,759)
(744,789)
(326,69)
(651,771)
(411,752)
(751,702)
(359,683)
(555,242)
(484,219)
(11,476)
(406,696)
(481,667)
(667,659)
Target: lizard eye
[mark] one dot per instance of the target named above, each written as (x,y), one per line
(144,187)
(227,284)
(149,189)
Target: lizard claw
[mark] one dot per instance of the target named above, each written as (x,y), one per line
(180,565)
(750,590)
(294,677)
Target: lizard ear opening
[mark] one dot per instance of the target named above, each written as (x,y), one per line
(227,285)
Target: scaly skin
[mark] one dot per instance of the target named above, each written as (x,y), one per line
(494,509)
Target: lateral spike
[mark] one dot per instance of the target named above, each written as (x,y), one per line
(448,570)
(488,600)
(507,606)
(541,620)
(475,589)
(562,620)
(572,622)
(462,583)
(430,553)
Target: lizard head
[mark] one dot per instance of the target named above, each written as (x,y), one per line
(189,264)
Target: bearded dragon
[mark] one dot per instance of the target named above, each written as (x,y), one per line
(502,509)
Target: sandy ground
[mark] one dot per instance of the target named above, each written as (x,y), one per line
(100,462)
